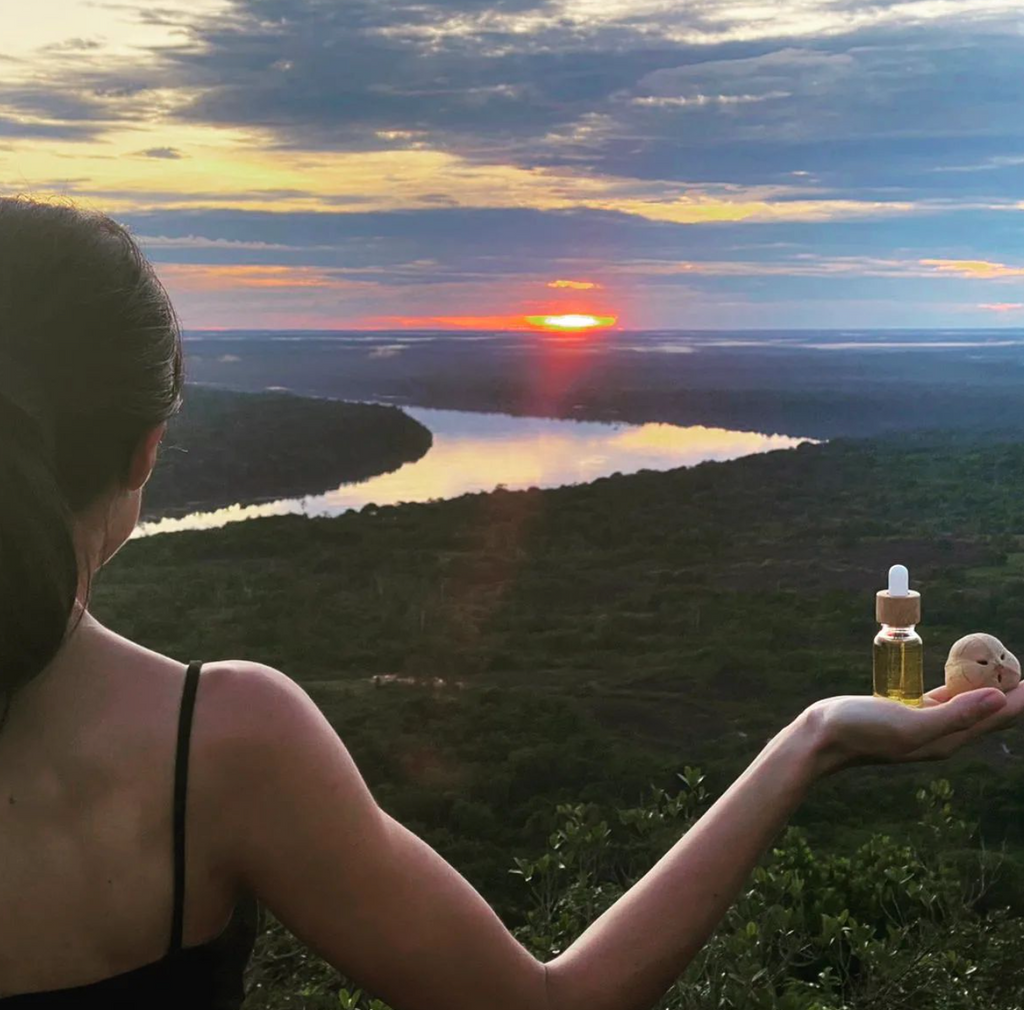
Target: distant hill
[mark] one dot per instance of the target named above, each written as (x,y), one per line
(226,447)
(860,386)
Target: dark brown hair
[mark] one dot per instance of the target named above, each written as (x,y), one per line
(90,360)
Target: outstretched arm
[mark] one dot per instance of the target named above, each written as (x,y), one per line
(301,830)
(633,953)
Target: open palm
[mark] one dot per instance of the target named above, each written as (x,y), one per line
(867,730)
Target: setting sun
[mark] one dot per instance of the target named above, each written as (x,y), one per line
(571,322)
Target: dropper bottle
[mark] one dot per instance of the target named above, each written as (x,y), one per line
(899,652)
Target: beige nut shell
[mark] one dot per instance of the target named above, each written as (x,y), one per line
(980,660)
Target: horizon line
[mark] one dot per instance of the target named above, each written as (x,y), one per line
(654,329)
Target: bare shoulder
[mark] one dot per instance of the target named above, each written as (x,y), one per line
(244,689)
(258,721)
(273,764)
(248,707)
(245,675)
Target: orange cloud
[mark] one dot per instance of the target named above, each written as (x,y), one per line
(448,322)
(1002,306)
(981,269)
(574,285)
(548,322)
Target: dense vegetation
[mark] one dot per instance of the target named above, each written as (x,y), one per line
(921,921)
(595,640)
(226,447)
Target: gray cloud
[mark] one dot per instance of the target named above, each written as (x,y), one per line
(53,103)
(432,245)
(75,45)
(170,153)
(155,197)
(657,91)
(376,75)
(51,131)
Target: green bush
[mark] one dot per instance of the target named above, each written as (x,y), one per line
(911,922)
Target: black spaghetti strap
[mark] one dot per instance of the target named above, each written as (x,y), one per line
(188,697)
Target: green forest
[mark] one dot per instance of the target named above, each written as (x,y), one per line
(514,667)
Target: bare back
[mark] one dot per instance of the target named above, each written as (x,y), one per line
(86,785)
(276,810)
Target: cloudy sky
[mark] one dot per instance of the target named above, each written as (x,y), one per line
(420,163)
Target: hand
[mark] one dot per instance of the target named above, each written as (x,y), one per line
(856,730)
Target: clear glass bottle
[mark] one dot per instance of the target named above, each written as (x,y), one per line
(898,649)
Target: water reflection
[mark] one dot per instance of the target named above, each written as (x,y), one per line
(477,452)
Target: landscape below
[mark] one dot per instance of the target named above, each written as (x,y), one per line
(488,658)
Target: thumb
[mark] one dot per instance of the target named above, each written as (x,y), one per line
(960,713)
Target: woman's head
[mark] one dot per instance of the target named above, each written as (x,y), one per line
(90,368)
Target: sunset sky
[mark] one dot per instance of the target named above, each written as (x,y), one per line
(453,163)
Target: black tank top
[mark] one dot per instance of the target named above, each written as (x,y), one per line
(207,977)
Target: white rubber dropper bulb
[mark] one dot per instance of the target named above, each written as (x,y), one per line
(899,581)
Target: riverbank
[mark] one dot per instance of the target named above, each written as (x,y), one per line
(227,446)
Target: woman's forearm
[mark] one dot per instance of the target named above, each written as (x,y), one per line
(630,956)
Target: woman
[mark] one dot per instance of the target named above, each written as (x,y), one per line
(143,806)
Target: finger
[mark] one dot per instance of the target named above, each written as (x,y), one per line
(946,745)
(961,713)
(1014,700)
(933,752)
(1014,708)
(1015,693)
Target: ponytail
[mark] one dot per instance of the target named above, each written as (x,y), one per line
(90,361)
(38,566)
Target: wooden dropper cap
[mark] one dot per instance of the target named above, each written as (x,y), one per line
(898,606)
(897,611)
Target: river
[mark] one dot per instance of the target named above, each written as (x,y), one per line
(475,452)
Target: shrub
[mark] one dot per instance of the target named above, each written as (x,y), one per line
(909,922)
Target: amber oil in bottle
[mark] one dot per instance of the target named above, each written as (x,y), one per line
(898,650)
